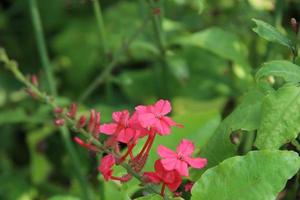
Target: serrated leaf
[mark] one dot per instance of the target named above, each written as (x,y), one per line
(268,32)
(280,122)
(280,68)
(257,175)
(246,117)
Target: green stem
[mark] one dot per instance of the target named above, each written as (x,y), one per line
(41,43)
(163,72)
(100,24)
(107,71)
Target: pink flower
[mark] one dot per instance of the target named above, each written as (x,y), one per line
(153,116)
(120,128)
(171,179)
(106,165)
(181,159)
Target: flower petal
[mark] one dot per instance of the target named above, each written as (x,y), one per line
(169,163)
(182,168)
(161,107)
(108,129)
(120,116)
(165,152)
(176,183)
(125,135)
(147,119)
(185,148)
(152,177)
(196,162)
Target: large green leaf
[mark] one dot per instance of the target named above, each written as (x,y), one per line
(281,68)
(280,121)
(269,33)
(228,47)
(246,117)
(257,175)
(63,197)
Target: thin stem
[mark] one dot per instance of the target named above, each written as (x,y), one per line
(41,44)
(107,71)
(159,34)
(100,24)
(162,191)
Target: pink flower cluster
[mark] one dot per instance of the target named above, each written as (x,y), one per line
(147,121)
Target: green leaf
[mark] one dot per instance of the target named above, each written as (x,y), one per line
(229,47)
(269,33)
(246,117)
(257,175)
(280,121)
(280,68)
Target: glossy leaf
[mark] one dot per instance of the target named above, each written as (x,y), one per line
(269,33)
(280,68)
(257,175)
(280,121)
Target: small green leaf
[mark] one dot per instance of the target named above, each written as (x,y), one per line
(257,175)
(150,197)
(280,121)
(281,68)
(269,33)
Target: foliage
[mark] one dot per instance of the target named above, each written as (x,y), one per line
(230,69)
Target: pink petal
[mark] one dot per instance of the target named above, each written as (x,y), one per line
(162,127)
(108,129)
(147,119)
(165,152)
(169,163)
(162,107)
(142,109)
(196,162)
(125,135)
(182,168)
(120,116)
(185,148)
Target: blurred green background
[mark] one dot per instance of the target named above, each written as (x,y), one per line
(199,54)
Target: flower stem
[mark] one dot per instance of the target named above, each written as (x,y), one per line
(41,44)
(162,191)
(100,24)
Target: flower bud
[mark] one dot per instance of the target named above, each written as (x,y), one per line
(34,80)
(81,122)
(58,110)
(59,122)
(72,111)
(91,121)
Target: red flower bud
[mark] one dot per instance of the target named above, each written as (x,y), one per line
(156,11)
(81,122)
(85,145)
(59,122)
(92,121)
(58,110)
(34,80)
(72,111)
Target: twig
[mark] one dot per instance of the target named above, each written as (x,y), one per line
(107,71)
